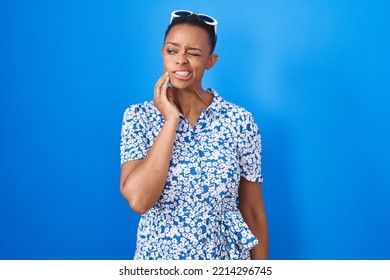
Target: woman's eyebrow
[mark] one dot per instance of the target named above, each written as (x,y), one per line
(178,45)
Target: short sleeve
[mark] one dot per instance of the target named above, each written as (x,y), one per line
(250,150)
(133,134)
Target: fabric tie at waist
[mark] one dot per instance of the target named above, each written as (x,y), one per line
(238,234)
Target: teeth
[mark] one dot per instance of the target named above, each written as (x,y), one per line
(183,73)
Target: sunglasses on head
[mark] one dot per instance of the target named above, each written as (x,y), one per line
(205,18)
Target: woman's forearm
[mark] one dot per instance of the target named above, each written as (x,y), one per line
(252,208)
(144,184)
(259,228)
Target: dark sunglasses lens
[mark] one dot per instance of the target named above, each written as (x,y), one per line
(182,13)
(206,18)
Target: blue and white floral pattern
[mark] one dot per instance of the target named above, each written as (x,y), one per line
(197,215)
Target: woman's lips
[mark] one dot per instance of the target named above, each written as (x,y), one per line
(182,74)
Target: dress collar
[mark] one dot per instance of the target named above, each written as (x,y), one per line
(216,104)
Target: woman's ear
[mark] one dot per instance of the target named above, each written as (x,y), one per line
(213,58)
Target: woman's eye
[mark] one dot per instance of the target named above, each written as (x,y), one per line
(171,51)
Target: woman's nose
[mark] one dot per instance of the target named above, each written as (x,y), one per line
(181,59)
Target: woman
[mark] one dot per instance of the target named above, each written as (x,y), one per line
(191,161)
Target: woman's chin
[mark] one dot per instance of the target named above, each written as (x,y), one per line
(182,85)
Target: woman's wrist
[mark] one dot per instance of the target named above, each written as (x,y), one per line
(174,122)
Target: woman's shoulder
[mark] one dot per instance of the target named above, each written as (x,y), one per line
(230,109)
(144,109)
(139,107)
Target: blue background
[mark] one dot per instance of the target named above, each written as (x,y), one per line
(315,75)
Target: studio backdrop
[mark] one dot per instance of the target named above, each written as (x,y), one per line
(314,74)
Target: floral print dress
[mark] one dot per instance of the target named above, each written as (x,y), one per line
(197,216)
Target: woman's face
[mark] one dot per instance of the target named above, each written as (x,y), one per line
(186,54)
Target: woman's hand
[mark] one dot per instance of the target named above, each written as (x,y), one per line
(163,99)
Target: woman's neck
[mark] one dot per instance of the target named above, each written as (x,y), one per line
(191,103)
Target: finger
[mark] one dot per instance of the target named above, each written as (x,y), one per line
(164,87)
(157,87)
(161,92)
(160,82)
(170,94)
